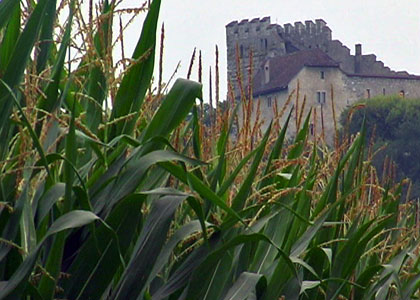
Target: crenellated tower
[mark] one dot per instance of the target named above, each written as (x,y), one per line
(266,40)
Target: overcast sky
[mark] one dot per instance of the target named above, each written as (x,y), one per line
(388,28)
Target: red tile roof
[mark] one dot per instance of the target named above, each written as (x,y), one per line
(284,68)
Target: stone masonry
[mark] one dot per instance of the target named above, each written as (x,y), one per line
(305,55)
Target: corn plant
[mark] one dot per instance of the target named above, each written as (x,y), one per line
(111,190)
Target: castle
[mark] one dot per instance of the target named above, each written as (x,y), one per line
(305,55)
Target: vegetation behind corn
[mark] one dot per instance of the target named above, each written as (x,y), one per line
(112,188)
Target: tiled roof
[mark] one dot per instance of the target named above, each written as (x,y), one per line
(392,76)
(284,68)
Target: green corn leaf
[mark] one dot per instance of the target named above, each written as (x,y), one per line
(46,37)
(12,226)
(133,175)
(355,161)
(17,63)
(51,196)
(147,248)
(245,286)
(300,140)
(10,38)
(239,201)
(53,264)
(16,284)
(346,259)
(207,194)
(52,101)
(229,181)
(99,258)
(410,288)
(6,11)
(365,279)
(330,193)
(32,133)
(219,174)
(213,285)
(274,154)
(207,267)
(196,133)
(135,83)
(302,244)
(266,254)
(179,278)
(181,234)
(175,107)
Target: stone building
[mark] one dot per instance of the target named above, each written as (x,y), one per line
(284,57)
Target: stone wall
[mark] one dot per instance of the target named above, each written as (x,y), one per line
(310,83)
(360,87)
(341,89)
(267,40)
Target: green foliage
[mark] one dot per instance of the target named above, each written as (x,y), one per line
(395,123)
(141,201)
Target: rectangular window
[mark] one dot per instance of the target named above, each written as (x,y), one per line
(367,93)
(269,101)
(320,97)
(322,75)
(383,91)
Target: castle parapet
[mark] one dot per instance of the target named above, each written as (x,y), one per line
(289,29)
(310,27)
(319,25)
(299,28)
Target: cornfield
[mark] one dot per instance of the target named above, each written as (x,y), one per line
(111,187)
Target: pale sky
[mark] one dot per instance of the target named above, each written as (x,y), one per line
(388,28)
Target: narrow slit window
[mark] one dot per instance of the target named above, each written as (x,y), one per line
(320,97)
(322,73)
(269,101)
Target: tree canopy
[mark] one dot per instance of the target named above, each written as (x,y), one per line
(395,124)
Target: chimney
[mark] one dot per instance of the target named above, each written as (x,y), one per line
(357,58)
(358,49)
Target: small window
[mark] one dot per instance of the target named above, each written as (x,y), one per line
(269,101)
(320,97)
(402,94)
(383,91)
(258,28)
(322,75)
(242,51)
(367,93)
(266,44)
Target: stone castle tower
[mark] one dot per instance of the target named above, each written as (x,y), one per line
(267,40)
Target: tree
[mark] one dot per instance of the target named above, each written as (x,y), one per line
(395,123)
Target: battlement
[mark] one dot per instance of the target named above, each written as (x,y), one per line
(263,26)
